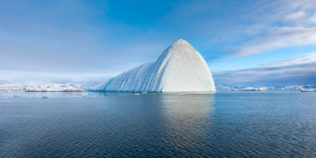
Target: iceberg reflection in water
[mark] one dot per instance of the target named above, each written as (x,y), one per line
(186,118)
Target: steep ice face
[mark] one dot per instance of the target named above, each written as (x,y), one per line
(180,68)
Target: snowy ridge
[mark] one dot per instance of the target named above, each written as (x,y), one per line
(42,87)
(180,68)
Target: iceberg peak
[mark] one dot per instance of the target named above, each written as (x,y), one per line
(181,43)
(180,68)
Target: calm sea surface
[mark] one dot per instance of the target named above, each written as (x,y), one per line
(226,124)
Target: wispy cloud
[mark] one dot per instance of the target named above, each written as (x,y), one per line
(295,15)
(286,24)
(301,70)
(280,37)
(303,74)
(310,58)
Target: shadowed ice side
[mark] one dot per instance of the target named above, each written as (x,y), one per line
(180,68)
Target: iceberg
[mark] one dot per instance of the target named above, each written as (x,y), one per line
(41,87)
(308,90)
(54,88)
(251,89)
(180,68)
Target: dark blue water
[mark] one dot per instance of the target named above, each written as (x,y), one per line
(227,124)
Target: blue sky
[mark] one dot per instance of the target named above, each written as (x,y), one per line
(83,39)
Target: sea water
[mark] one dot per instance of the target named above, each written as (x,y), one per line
(225,124)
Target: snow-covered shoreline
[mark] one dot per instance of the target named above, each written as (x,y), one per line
(41,87)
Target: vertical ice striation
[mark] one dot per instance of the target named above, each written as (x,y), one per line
(180,68)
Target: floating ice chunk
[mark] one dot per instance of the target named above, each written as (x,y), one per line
(54,88)
(251,89)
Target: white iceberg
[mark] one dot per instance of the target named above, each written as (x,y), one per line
(308,90)
(251,89)
(180,68)
(54,88)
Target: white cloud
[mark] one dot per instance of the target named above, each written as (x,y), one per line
(295,16)
(313,18)
(310,58)
(286,24)
(300,70)
(284,75)
(280,37)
